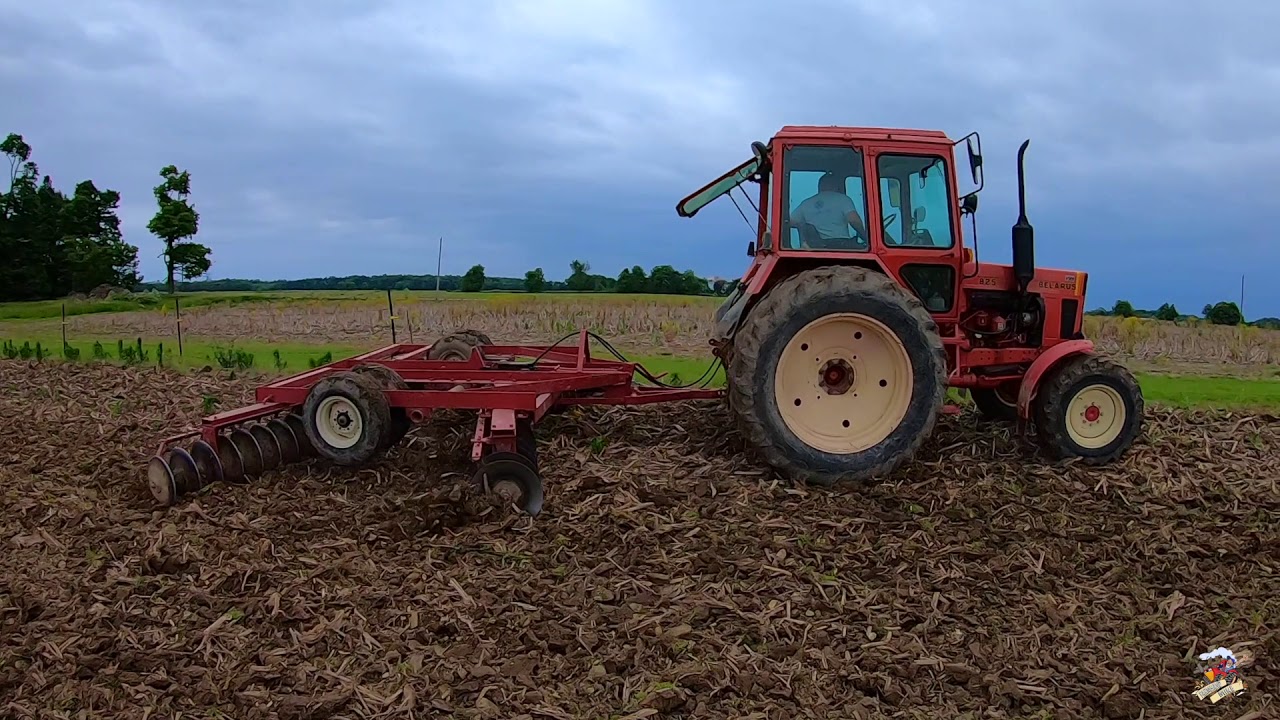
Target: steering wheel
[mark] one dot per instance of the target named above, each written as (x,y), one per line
(888,221)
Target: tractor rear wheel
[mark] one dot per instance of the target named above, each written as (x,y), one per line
(837,374)
(998,404)
(1090,408)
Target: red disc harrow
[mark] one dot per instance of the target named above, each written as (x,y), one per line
(350,411)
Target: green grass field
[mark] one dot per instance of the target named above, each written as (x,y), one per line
(1161,385)
(1184,391)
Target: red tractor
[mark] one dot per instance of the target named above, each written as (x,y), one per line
(860,308)
(862,305)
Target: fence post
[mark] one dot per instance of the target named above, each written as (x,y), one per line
(391,311)
(177,313)
(64,327)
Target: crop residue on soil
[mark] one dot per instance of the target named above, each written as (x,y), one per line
(669,576)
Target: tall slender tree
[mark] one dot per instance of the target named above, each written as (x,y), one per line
(174,223)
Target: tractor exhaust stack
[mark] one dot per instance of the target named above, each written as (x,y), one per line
(1024,246)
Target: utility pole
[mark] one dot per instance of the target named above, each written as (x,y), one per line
(1242,297)
(439,258)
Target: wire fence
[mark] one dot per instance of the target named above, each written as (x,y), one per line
(134,351)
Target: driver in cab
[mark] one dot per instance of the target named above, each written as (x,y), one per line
(829,214)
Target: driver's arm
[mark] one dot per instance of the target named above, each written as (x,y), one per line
(856,221)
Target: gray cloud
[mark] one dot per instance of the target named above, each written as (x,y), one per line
(333,136)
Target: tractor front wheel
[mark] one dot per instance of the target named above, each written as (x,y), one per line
(837,374)
(1090,408)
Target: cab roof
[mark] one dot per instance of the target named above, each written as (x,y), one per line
(835,132)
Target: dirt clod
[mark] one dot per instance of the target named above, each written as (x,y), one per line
(669,575)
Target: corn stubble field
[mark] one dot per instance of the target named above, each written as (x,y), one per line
(644,323)
(670,576)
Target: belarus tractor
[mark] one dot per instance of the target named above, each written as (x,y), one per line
(842,337)
(861,306)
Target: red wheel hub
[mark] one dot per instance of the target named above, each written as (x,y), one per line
(1092,413)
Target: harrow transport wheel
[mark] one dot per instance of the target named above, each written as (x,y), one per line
(267,444)
(997,404)
(389,379)
(480,338)
(511,478)
(1090,408)
(838,374)
(208,466)
(347,418)
(283,434)
(456,347)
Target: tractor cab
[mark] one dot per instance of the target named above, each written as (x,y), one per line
(884,199)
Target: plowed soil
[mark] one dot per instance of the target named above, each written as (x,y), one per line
(669,576)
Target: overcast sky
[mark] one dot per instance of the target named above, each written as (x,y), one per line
(331,137)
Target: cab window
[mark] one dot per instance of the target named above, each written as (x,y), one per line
(915,207)
(824,199)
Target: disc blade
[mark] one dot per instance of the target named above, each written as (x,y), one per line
(305,449)
(285,439)
(207,463)
(160,481)
(502,475)
(250,453)
(267,445)
(186,477)
(229,456)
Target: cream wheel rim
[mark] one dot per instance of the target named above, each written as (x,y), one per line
(338,422)
(843,383)
(1096,416)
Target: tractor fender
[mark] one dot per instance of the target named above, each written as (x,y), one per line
(1043,364)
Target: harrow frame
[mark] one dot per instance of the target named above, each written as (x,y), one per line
(509,393)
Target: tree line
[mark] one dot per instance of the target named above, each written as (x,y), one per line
(660,280)
(1220,313)
(55,244)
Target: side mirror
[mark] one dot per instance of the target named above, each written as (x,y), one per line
(918,215)
(969,204)
(751,249)
(973,148)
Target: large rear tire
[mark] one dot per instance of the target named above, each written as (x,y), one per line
(838,374)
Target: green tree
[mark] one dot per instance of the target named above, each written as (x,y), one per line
(473,281)
(535,281)
(174,222)
(1122,308)
(1223,313)
(579,280)
(634,280)
(664,280)
(52,244)
(1167,312)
